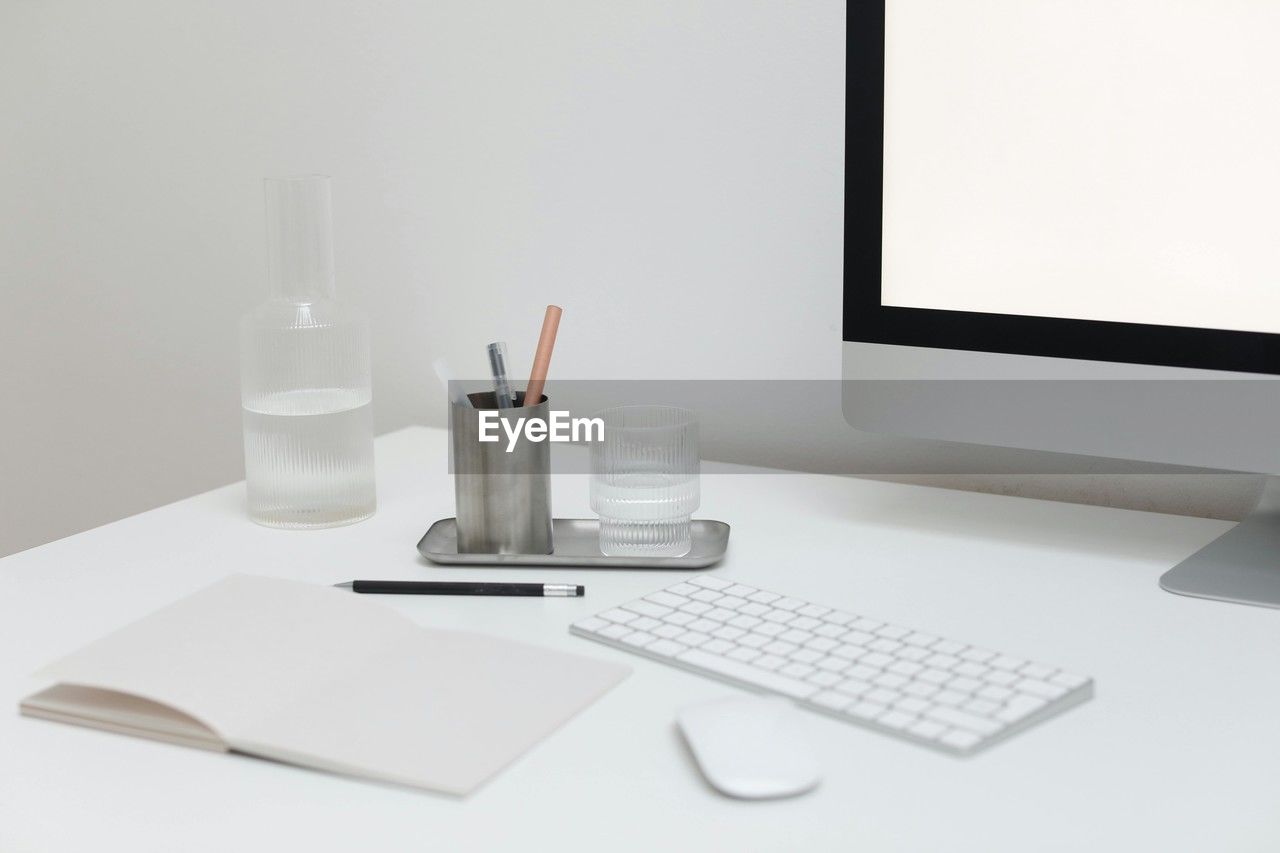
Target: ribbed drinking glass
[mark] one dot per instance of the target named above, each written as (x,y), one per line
(644,481)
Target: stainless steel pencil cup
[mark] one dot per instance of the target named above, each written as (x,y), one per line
(503,497)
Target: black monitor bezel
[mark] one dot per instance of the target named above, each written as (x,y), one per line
(867,320)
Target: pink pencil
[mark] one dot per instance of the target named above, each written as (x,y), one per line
(542,358)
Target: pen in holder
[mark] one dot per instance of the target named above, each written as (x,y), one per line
(503,497)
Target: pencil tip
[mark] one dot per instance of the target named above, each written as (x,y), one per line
(346,585)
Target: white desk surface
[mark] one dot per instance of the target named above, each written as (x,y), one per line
(1179,750)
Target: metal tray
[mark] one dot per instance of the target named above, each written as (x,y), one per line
(577,543)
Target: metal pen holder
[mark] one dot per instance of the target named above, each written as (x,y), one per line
(503,498)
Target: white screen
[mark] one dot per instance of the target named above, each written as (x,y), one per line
(1087,159)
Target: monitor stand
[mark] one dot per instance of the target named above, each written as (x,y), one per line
(1242,565)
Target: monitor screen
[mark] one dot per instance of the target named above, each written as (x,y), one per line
(1111,162)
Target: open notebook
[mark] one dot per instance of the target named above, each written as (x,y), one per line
(326,679)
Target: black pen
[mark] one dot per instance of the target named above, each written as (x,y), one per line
(463,588)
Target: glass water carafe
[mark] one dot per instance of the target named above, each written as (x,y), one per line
(305,375)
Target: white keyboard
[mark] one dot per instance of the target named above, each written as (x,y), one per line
(941,693)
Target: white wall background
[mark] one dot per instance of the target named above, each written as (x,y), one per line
(670,171)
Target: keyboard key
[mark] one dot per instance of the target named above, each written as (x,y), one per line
(707,595)
(679,618)
(753,609)
(618,615)
(912,705)
(995,693)
(788,604)
(866,710)
(876,659)
(849,652)
(911,653)
(682,589)
(1069,680)
(763,597)
(668,631)
(1000,677)
(865,624)
(826,629)
(963,719)
(1036,671)
(904,667)
(893,632)
(753,641)
(896,719)
(886,646)
(949,697)
(796,670)
(769,661)
(835,617)
(728,632)
(832,664)
(889,679)
(779,616)
(883,695)
(666,599)
(977,655)
(1019,707)
(732,602)
(741,590)
(981,707)
(830,699)
(823,678)
(697,608)
(746,672)
(792,635)
(693,638)
(970,669)
(921,689)
(807,656)
(1007,662)
(666,648)
(919,638)
(717,647)
(858,638)
(743,621)
(964,684)
(711,582)
(647,608)
(744,654)
(644,623)
(959,738)
(778,647)
(927,729)
(593,623)
(770,629)
(704,625)
(805,623)
(861,670)
(948,647)
(934,676)
(854,687)
(719,613)
(941,661)
(614,631)
(639,639)
(822,644)
(813,610)
(1043,689)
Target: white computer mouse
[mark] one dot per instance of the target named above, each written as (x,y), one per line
(751,747)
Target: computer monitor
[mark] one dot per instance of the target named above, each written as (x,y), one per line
(1073,191)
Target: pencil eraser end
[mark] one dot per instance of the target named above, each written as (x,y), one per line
(582,590)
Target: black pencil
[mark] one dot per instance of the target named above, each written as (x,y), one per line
(463,588)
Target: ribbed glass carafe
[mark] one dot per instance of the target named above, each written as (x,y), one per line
(306,387)
(644,480)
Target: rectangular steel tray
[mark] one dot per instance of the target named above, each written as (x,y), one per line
(577,543)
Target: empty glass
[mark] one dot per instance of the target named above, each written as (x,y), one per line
(644,481)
